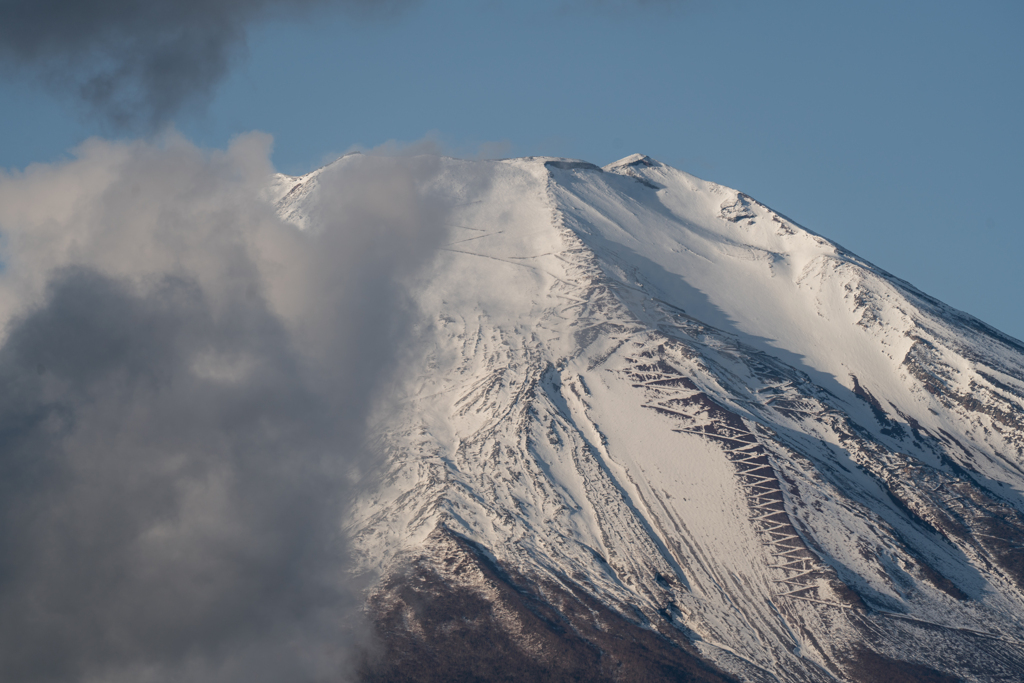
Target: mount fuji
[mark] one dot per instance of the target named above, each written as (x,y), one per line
(649,429)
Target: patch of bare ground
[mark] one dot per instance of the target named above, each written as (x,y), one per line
(871,667)
(458,616)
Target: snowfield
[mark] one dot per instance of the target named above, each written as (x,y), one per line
(633,386)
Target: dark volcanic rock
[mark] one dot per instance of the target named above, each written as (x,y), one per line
(458,616)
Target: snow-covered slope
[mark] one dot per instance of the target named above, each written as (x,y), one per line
(639,388)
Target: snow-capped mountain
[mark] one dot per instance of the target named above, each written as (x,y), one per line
(654,430)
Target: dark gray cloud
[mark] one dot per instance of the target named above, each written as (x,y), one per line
(187,382)
(155,518)
(138,62)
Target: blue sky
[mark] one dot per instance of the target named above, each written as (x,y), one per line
(893,128)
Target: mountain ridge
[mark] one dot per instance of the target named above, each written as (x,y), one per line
(654,392)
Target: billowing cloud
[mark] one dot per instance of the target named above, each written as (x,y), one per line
(138,62)
(187,382)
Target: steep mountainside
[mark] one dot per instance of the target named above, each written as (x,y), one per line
(656,431)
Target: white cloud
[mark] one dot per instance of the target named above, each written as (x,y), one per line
(187,382)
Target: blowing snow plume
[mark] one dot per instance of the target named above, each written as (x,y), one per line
(138,62)
(187,379)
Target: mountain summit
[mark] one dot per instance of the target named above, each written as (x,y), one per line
(654,430)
